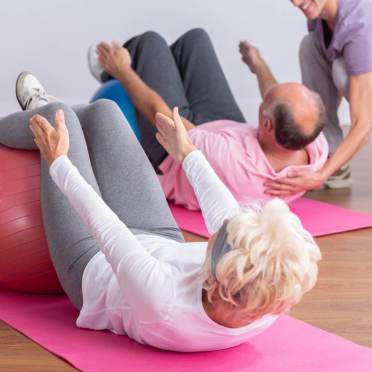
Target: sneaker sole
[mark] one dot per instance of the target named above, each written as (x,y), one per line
(91,50)
(20,79)
(339,184)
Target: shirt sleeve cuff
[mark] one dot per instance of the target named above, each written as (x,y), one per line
(192,158)
(62,161)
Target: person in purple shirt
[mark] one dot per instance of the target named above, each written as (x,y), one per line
(336,62)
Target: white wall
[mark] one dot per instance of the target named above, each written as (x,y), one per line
(50,39)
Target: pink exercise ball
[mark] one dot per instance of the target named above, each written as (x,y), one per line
(25,264)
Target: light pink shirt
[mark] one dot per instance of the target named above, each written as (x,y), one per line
(234,153)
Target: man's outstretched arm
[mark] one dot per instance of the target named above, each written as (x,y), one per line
(253,59)
(116,61)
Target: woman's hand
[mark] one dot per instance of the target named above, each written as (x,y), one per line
(113,58)
(294,183)
(173,136)
(52,142)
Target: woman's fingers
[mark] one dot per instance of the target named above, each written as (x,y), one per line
(36,128)
(36,131)
(35,121)
(164,124)
(176,117)
(163,141)
(60,120)
(279,193)
(160,139)
(280,189)
(43,123)
(167,121)
(163,129)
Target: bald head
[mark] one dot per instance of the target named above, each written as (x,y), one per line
(297,114)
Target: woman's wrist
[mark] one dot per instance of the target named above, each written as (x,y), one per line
(55,160)
(324,174)
(50,160)
(327,170)
(322,178)
(189,148)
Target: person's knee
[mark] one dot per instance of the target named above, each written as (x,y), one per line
(108,112)
(308,48)
(152,38)
(55,106)
(341,77)
(50,110)
(104,105)
(196,35)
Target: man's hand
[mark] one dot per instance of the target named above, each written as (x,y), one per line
(51,142)
(294,183)
(250,55)
(173,136)
(113,58)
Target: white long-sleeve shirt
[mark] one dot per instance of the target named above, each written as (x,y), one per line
(147,286)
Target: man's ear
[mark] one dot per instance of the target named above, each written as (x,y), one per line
(268,125)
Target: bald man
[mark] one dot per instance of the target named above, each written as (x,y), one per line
(187,74)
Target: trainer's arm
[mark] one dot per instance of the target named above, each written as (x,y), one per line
(116,61)
(360,99)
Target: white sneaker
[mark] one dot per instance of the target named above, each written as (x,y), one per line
(30,93)
(341,179)
(95,67)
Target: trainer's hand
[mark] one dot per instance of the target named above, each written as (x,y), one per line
(52,142)
(113,58)
(295,182)
(173,136)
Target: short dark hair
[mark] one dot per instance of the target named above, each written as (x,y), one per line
(288,132)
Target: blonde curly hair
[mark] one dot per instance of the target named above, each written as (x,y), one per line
(273,262)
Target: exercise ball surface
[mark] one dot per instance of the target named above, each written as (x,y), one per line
(25,264)
(114,91)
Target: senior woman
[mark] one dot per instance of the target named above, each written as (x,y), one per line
(336,62)
(119,254)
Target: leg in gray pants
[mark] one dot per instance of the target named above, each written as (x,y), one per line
(188,75)
(316,72)
(109,157)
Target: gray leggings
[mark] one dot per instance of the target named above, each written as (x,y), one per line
(109,157)
(186,74)
(317,75)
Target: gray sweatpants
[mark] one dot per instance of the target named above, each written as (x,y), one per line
(186,74)
(329,80)
(109,157)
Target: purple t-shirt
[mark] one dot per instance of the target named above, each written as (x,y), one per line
(352,37)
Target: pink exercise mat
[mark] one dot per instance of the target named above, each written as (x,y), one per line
(317,217)
(289,346)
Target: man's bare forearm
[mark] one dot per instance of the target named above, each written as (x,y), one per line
(146,100)
(265,78)
(251,56)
